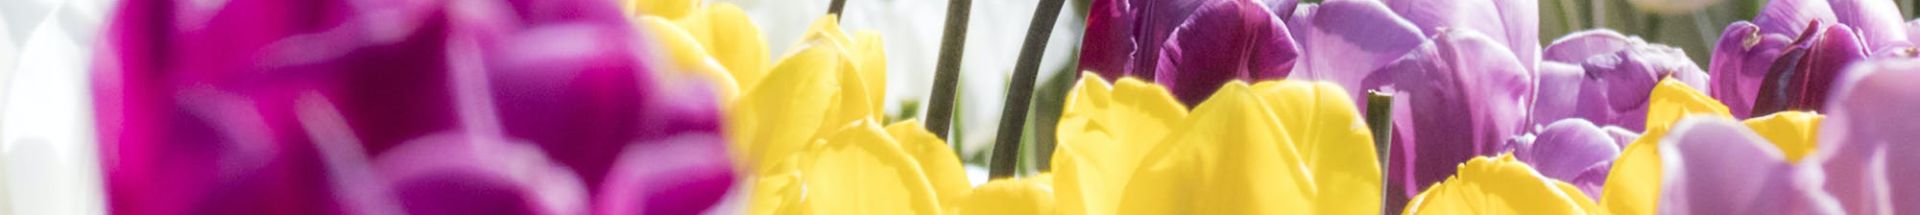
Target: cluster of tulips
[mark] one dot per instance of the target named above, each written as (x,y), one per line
(1184,107)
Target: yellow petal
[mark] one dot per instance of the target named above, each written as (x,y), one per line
(1791,131)
(1500,185)
(777,119)
(733,40)
(1229,157)
(671,9)
(1333,140)
(689,57)
(942,166)
(1103,132)
(1633,185)
(862,170)
(1031,195)
(870,56)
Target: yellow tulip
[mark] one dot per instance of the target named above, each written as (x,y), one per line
(688,55)
(732,40)
(1791,131)
(1633,185)
(1281,147)
(1501,185)
(671,9)
(1031,195)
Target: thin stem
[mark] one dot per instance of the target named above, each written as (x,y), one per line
(946,73)
(1020,92)
(836,7)
(1380,122)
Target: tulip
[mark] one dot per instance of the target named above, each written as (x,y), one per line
(1513,23)
(1709,159)
(1633,183)
(1299,147)
(1501,185)
(278,100)
(715,41)
(1604,77)
(1863,139)
(1790,55)
(1463,92)
(1212,43)
(1571,150)
(1644,178)
(1030,195)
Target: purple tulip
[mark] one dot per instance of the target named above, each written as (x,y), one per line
(1787,58)
(211,108)
(1572,150)
(1189,46)
(1867,139)
(1514,23)
(1458,94)
(1604,77)
(1716,165)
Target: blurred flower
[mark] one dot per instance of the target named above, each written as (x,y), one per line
(270,108)
(1303,149)
(1867,137)
(1789,56)
(1457,93)
(1672,7)
(1215,41)
(1501,185)
(1713,165)
(714,41)
(1604,77)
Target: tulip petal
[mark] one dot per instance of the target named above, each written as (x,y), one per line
(1792,132)
(1347,41)
(1224,40)
(1502,185)
(1463,94)
(1103,133)
(1867,137)
(1567,149)
(1030,195)
(937,160)
(732,39)
(1714,165)
(1232,143)
(861,169)
(1333,141)
(1513,23)
(1790,17)
(1877,22)
(1634,181)
(1108,46)
(453,174)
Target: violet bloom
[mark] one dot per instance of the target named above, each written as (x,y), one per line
(1788,57)
(1867,140)
(1572,150)
(1715,165)
(1514,23)
(1213,42)
(1457,94)
(1605,78)
(242,107)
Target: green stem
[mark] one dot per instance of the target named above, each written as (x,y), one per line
(946,75)
(1380,122)
(1020,92)
(836,7)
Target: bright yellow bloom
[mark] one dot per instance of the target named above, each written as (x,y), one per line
(688,56)
(1791,131)
(717,42)
(1282,147)
(1633,185)
(1031,195)
(1501,185)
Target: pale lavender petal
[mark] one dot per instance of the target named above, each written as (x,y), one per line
(1790,17)
(1282,8)
(1866,141)
(1568,150)
(1614,76)
(1877,21)
(1567,92)
(1515,23)
(1913,31)
(1346,41)
(1224,41)
(1576,47)
(1716,165)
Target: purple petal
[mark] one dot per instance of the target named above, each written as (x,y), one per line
(1155,21)
(1282,8)
(1801,77)
(1616,74)
(1715,165)
(1515,23)
(1108,46)
(1568,150)
(1740,60)
(1346,41)
(1866,141)
(455,174)
(1878,22)
(1454,99)
(676,176)
(1223,41)
(1790,17)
